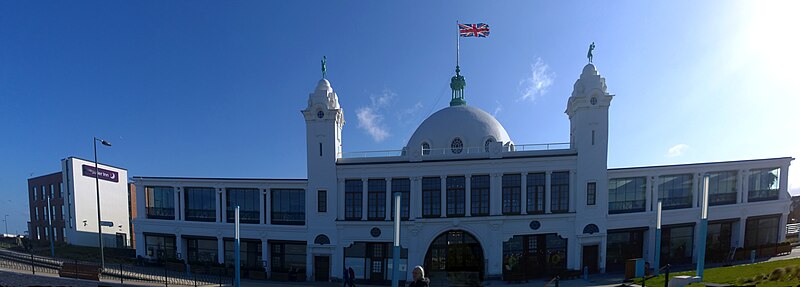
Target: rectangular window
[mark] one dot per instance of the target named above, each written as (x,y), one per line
(43,190)
(677,244)
(322,201)
(247,200)
(249,253)
(456,193)
(535,193)
(479,193)
(159,246)
(288,257)
(288,206)
(675,191)
(403,186)
(61,189)
(52,190)
(626,195)
(763,184)
(160,202)
(376,196)
(559,192)
(761,230)
(200,204)
(35,193)
(201,251)
(353,193)
(722,188)
(36,213)
(431,197)
(511,193)
(591,193)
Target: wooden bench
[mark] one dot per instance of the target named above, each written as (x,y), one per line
(80,271)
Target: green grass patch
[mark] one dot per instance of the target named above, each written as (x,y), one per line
(774,273)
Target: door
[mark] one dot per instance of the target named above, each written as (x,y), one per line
(590,257)
(122,240)
(376,255)
(322,268)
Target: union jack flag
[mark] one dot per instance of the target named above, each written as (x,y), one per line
(473,30)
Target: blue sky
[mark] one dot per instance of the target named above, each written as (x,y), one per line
(214,88)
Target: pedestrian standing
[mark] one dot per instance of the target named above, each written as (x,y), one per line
(418,275)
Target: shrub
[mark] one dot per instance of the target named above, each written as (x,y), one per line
(776,274)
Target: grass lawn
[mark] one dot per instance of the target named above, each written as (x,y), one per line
(775,273)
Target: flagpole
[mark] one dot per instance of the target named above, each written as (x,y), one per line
(458,43)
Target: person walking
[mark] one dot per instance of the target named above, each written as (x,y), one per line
(345,277)
(352,276)
(419,280)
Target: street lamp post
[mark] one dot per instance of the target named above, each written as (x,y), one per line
(97,185)
(5,220)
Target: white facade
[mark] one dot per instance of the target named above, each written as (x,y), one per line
(548,203)
(81,220)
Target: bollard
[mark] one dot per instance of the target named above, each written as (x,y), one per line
(33,267)
(557,280)
(753,256)
(586,273)
(666,276)
(120,274)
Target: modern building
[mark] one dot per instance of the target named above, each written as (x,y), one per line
(73,198)
(474,204)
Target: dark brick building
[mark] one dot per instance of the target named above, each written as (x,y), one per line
(40,189)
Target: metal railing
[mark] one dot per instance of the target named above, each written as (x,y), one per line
(457,150)
(626,206)
(722,198)
(761,195)
(793,228)
(161,212)
(244,216)
(201,214)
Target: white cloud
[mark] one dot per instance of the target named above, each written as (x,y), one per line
(370,118)
(497,109)
(537,83)
(677,150)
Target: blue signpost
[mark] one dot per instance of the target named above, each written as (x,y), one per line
(703,230)
(237,262)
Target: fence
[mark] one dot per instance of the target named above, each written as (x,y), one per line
(123,273)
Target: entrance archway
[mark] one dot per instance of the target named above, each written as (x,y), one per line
(455,258)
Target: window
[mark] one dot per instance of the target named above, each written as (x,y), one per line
(479,191)
(511,193)
(201,250)
(247,199)
(431,197)
(35,193)
(353,192)
(626,195)
(288,206)
(376,196)
(322,201)
(52,191)
(675,191)
(249,253)
(535,192)
(622,245)
(763,184)
(288,257)
(201,204)
(456,146)
(761,231)
(160,202)
(487,143)
(61,189)
(403,186)
(722,188)
(559,189)
(455,195)
(591,193)
(677,244)
(426,148)
(36,213)
(159,246)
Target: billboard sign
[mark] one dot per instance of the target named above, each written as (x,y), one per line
(103,174)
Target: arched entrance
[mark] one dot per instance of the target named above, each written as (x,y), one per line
(455,258)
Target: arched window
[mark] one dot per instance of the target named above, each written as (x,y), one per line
(426,148)
(456,146)
(322,240)
(486,144)
(591,229)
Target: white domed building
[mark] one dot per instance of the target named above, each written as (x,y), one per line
(475,206)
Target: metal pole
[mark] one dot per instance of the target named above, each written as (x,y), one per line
(396,247)
(5,219)
(658,240)
(52,236)
(97,187)
(703,230)
(666,276)
(237,266)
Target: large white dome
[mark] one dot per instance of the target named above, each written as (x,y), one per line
(471,126)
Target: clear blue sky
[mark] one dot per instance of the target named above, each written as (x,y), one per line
(215,88)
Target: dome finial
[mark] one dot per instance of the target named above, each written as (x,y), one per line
(324,63)
(457,84)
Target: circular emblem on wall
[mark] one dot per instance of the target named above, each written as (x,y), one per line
(593,101)
(535,225)
(320,114)
(375,232)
